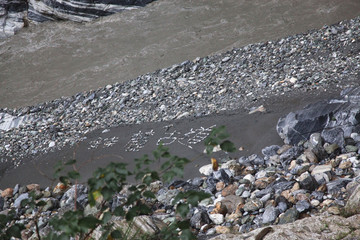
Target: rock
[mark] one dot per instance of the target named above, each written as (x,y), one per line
(31,187)
(232,202)
(325,117)
(229,190)
(222,175)
(67,200)
(307,181)
(302,206)
(220,208)
(270,150)
(353,204)
(250,178)
(17,202)
(315,140)
(253,205)
(289,216)
(334,187)
(315,227)
(166,196)
(321,169)
(146,224)
(345,164)
(199,219)
(331,148)
(217,218)
(7,193)
(220,186)
(222,229)
(270,214)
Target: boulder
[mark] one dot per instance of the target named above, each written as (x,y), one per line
(335,119)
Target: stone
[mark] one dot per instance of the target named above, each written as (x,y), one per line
(249,177)
(222,229)
(315,227)
(220,208)
(270,150)
(206,170)
(353,204)
(270,214)
(289,216)
(325,117)
(315,140)
(351,148)
(334,187)
(7,193)
(19,199)
(345,164)
(31,187)
(315,202)
(302,206)
(67,200)
(217,218)
(331,148)
(307,181)
(232,202)
(311,156)
(229,190)
(222,175)
(199,219)
(220,186)
(321,169)
(252,205)
(166,196)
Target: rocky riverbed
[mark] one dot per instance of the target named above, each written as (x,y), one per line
(320,59)
(316,179)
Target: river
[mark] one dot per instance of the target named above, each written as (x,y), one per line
(54,59)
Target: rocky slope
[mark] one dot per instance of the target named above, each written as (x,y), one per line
(315,179)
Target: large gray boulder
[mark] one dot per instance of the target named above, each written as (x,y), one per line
(316,227)
(335,119)
(15,14)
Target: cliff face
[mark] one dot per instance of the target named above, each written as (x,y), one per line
(16,14)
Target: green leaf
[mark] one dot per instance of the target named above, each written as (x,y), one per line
(183,209)
(106,218)
(228,146)
(74,174)
(194,197)
(119,211)
(187,235)
(15,231)
(183,224)
(107,193)
(89,222)
(70,162)
(117,234)
(149,194)
(41,203)
(64,180)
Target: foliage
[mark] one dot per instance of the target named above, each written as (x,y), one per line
(112,179)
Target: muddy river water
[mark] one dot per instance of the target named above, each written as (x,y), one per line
(54,59)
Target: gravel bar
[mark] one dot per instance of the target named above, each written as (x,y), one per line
(319,59)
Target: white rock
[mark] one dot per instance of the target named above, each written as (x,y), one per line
(250,177)
(51,144)
(206,170)
(217,218)
(315,202)
(321,169)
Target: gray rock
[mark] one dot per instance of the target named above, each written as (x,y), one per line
(289,216)
(253,205)
(270,214)
(353,204)
(21,197)
(67,200)
(199,219)
(307,181)
(302,206)
(334,187)
(270,150)
(166,196)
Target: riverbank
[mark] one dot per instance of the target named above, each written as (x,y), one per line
(322,59)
